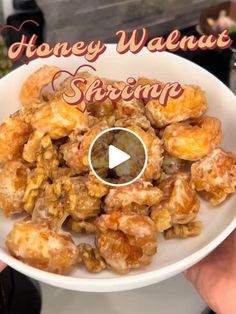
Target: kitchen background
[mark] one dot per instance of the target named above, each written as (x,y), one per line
(73,20)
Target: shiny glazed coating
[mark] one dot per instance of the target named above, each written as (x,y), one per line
(14,133)
(91,258)
(58,119)
(214,176)
(190,229)
(137,197)
(180,204)
(36,245)
(192,104)
(154,151)
(193,140)
(126,241)
(13,178)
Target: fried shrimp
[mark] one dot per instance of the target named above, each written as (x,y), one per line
(180,204)
(36,245)
(193,140)
(137,197)
(154,151)
(13,178)
(75,152)
(192,104)
(214,176)
(32,87)
(58,119)
(126,241)
(14,133)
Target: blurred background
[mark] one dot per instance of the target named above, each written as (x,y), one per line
(86,20)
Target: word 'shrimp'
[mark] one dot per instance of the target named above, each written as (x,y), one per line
(133,42)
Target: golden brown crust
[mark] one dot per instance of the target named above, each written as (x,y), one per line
(215,176)
(180,204)
(36,245)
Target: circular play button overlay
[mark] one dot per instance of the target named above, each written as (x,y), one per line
(117,156)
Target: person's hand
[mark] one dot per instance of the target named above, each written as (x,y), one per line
(215,277)
(2,266)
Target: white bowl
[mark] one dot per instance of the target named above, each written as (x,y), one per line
(173,256)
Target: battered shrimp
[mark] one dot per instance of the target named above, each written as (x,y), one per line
(137,197)
(75,153)
(13,178)
(215,175)
(193,140)
(126,241)
(14,133)
(154,150)
(192,104)
(180,204)
(58,119)
(31,89)
(36,245)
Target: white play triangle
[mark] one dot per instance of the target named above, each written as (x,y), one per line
(116,156)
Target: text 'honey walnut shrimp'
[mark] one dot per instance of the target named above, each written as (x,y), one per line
(193,140)
(13,178)
(137,197)
(191,104)
(180,204)
(126,241)
(36,245)
(32,87)
(215,175)
(14,133)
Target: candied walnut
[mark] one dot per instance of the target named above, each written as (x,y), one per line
(137,197)
(172,164)
(139,120)
(127,109)
(75,153)
(214,176)
(192,104)
(14,133)
(55,202)
(91,258)
(154,150)
(35,184)
(95,187)
(13,178)
(32,87)
(36,245)
(58,119)
(86,206)
(82,226)
(191,229)
(193,140)
(126,241)
(180,204)
(41,150)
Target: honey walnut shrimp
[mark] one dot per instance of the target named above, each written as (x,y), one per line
(136,198)
(126,242)
(180,204)
(192,140)
(38,246)
(214,176)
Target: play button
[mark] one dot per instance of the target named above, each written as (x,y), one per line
(117,156)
